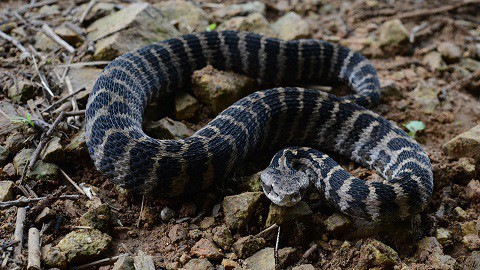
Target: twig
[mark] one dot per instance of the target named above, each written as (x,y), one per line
(62,100)
(44,82)
(65,71)
(86,10)
(267,230)
(77,187)
(276,247)
(74,113)
(18,234)
(34,5)
(27,201)
(16,43)
(84,64)
(70,119)
(417,29)
(141,211)
(49,32)
(101,262)
(309,251)
(33,249)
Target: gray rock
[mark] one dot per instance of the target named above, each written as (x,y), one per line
(470,64)
(9,170)
(83,246)
(220,89)
(44,171)
(444,236)
(177,233)
(186,106)
(426,96)
(473,261)
(472,190)
(280,215)
(472,241)
(262,260)
(248,245)
(45,215)
(229,265)
(251,183)
(449,51)
(205,248)
(43,42)
(6,191)
(167,128)
(67,34)
(378,254)
(49,10)
(287,256)
(21,159)
(223,237)
(98,10)
(53,151)
(291,26)
(392,33)
(53,257)
(240,9)
(461,214)
(4,153)
(22,91)
(304,267)
(77,143)
(99,217)
(198,264)
(185,15)
(124,263)
(15,142)
(167,214)
(83,77)
(338,222)
(469,227)
(238,209)
(430,251)
(467,170)
(390,88)
(466,144)
(254,22)
(206,223)
(134,26)
(434,60)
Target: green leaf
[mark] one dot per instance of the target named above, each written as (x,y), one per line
(27,120)
(211,27)
(413,127)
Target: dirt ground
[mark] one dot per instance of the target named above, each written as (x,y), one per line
(443,93)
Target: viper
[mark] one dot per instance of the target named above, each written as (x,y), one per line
(298,122)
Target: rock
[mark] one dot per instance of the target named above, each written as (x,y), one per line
(238,209)
(461,214)
(223,237)
(167,214)
(473,261)
(262,260)
(167,128)
(186,106)
(7,27)
(470,64)
(473,190)
(449,51)
(185,15)
(390,88)
(205,248)
(83,246)
(280,215)
(466,144)
(15,142)
(188,209)
(254,22)
(53,151)
(4,154)
(22,158)
(143,261)
(251,183)
(98,10)
(426,96)
(49,10)
(434,60)
(198,264)
(392,34)
(248,245)
(9,170)
(241,9)
(469,227)
(45,215)
(377,253)
(43,42)
(99,218)
(124,263)
(53,257)
(472,241)
(132,27)
(467,170)
(287,256)
(83,77)
(195,234)
(22,91)
(77,143)
(6,191)
(291,26)
(430,251)
(304,267)
(444,236)
(207,222)
(230,264)
(44,171)
(338,222)
(67,34)
(177,232)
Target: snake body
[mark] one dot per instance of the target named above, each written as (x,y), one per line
(265,120)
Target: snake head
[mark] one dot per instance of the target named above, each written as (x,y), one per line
(284,188)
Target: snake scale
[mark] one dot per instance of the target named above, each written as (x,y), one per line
(265,120)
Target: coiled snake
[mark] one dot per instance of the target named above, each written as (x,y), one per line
(265,120)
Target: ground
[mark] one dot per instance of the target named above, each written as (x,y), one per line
(427,55)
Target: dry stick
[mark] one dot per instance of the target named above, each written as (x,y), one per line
(83,64)
(18,234)
(75,119)
(27,201)
(141,211)
(87,9)
(39,4)
(267,230)
(60,101)
(101,262)
(33,249)
(309,251)
(49,32)
(44,82)
(65,71)
(16,43)
(77,187)
(74,113)
(276,247)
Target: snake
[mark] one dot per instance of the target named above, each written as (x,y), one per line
(305,126)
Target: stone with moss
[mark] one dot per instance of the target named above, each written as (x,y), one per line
(84,246)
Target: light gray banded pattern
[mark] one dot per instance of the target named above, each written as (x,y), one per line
(265,120)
